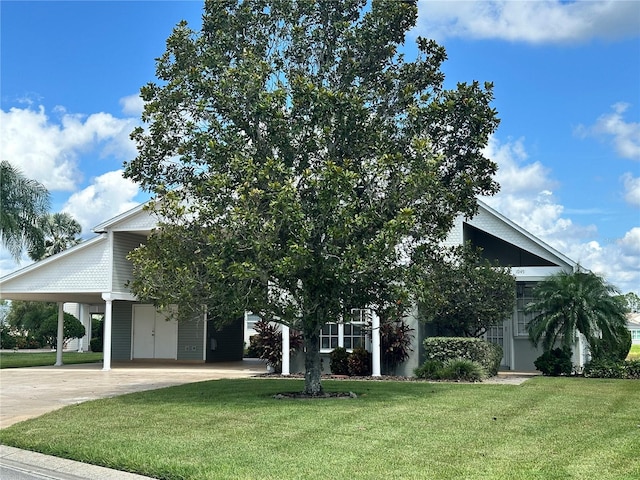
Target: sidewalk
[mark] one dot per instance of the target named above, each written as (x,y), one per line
(38,466)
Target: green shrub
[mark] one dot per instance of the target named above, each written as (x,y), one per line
(462,369)
(24,342)
(97,334)
(429,370)
(488,355)
(339,361)
(632,369)
(615,349)
(555,362)
(359,362)
(268,343)
(48,331)
(96,344)
(395,341)
(7,340)
(606,368)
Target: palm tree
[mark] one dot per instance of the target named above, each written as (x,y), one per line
(580,301)
(59,232)
(22,202)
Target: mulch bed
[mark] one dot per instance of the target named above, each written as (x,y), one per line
(304,396)
(392,378)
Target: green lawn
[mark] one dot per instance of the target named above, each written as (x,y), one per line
(38,359)
(547,428)
(634,353)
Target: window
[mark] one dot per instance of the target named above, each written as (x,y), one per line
(353,335)
(635,335)
(523,298)
(329,338)
(348,335)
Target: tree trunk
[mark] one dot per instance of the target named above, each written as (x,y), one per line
(312,367)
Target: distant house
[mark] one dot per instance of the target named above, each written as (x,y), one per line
(94,275)
(633,324)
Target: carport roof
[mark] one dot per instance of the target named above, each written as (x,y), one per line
(79,274)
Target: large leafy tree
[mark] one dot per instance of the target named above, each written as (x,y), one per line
(300,161)
(463,294)
(40,321)
(59,231)
(579,301)
(632,300)
(22,202)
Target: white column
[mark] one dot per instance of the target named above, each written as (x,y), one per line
(375,345)
(285,350)
(82,318)
(60,339)
(106,346)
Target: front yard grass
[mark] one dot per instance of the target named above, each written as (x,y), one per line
(39,359)
(634,353)
(547,428)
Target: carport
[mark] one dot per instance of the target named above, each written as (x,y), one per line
(94,275)
(79,275)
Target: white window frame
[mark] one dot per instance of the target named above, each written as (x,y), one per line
(522,319)
(335,337)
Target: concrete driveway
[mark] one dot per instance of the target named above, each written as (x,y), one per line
(30,392)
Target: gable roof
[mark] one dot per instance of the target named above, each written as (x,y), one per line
(137,219)
(493,222)
(84,272)
(78,274)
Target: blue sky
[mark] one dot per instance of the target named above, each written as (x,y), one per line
(567,87)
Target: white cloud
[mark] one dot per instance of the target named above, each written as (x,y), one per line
(527,198)
(48,150)
(109,195)
(625,135)
(631,189)
(544,21)
(132,105)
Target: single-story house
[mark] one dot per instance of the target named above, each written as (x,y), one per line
(633,324)
(94,275)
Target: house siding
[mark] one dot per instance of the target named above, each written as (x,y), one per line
(121,330)
(525,355)
(123,243)
(191,340)
(81,269)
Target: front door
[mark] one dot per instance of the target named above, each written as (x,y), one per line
(154,336)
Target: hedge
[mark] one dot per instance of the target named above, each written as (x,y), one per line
(488,355)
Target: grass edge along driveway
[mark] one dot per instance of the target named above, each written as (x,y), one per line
(547,428)
(41,359)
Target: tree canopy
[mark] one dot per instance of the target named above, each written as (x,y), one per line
(300,162)
(463,295)
(58,231)
(22,202)
(40,321)
(579,301)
